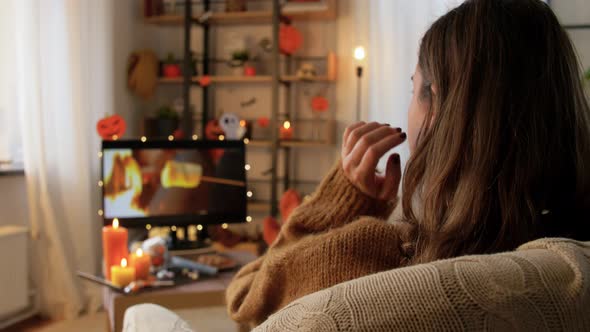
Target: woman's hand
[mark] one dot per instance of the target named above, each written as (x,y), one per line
(362,147)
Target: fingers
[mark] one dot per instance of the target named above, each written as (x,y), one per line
(393,175)
(349,129)
(356,134)
(363,145)
(370,155)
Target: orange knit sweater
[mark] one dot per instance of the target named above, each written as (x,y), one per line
(337,235)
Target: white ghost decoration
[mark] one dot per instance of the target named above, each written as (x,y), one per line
(230,123)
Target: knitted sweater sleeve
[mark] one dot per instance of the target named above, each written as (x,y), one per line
(323,243)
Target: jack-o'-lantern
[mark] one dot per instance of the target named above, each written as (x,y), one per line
(319,104)
(111,127)
(290,39)
(212,132)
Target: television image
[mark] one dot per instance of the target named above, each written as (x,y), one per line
(173,182)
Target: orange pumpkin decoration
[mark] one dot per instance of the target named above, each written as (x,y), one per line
(205,80)
(290,39)
(111,127)
(212,132)
(319,104)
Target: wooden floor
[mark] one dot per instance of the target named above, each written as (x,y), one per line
(32,324)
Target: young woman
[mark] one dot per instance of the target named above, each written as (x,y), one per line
(499,130)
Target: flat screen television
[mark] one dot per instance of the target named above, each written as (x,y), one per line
(173,182)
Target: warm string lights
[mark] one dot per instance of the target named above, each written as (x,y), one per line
(143,139)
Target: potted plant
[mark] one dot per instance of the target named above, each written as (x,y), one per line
(239,58)
(171,67)
(163,124)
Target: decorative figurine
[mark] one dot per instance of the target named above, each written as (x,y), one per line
(111,127)
(230,123)
(306,71)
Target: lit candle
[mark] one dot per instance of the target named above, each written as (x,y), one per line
(286,131)
(122,275)
(141,262)
(114,245)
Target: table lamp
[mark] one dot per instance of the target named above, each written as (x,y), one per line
(359,55)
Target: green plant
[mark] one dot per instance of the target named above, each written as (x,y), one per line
(240,55)
(166,112)
(587,75)
(170,59)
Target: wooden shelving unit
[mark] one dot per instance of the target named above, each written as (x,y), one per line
(290,144)
(205,18)
(247,79)
(249,17)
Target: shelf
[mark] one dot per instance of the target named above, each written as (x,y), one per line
(293,78)
(289,144)
(248,17)
(246,79)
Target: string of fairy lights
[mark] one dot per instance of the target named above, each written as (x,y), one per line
(173,228)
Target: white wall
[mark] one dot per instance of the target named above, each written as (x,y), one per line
(576,12)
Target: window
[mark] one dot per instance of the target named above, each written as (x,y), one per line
(10,138)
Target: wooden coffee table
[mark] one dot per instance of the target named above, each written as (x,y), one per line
(203,293)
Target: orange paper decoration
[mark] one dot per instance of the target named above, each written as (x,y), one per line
(290,39)
(111,127)
(319,104)
(205,80)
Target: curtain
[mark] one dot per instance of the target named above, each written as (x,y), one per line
(64,85)
(395,29)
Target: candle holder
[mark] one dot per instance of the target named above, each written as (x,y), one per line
(286,131)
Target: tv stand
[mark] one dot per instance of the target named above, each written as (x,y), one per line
(203,241)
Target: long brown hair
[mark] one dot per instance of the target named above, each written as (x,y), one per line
(506,156)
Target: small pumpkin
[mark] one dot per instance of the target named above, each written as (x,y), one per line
(111,127)
(319,104)
(172,70)
(205,80)
(212,132)
(290,39)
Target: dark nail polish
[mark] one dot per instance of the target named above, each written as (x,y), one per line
(399,130)
(403,135)
(396,159)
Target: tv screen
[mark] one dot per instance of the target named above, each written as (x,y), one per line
(173,182)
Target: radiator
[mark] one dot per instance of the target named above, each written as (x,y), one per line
(14,271)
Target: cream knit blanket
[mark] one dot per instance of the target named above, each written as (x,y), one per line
(542,286)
